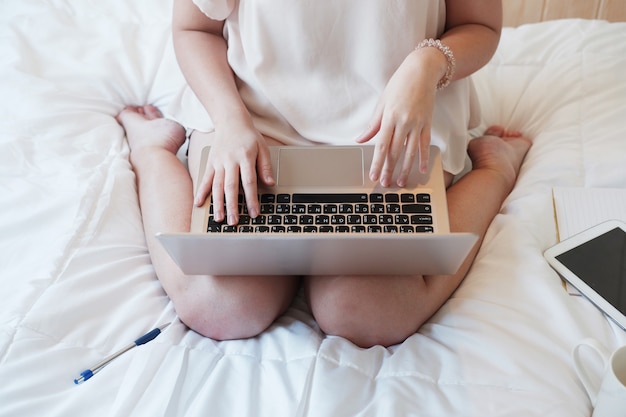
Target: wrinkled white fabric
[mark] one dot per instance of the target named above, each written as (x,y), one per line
(77,283)
(216,9)
(315,70)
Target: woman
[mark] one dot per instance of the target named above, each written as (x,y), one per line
(290,72)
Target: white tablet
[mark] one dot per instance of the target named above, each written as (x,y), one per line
(594,262)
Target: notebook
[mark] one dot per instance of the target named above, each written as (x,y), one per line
(325,216)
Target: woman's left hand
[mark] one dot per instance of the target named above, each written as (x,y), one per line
(402,120)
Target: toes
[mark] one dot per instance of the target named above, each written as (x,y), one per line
(123,115)
(152,112)
(501,132)
(495,131)
(128,114)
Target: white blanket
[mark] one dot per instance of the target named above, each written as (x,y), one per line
(76,282)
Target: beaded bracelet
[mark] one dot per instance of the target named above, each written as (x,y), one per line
(436,43)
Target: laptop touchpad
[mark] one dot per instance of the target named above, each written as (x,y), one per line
(320,166)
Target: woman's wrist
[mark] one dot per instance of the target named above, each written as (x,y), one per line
(224,115)
(439,61)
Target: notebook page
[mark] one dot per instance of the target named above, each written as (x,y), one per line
(578,209)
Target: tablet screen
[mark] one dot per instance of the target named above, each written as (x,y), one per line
(601,264)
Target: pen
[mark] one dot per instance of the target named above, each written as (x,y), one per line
(88,373)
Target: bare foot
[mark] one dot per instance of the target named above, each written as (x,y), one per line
(501,151)
(146,127)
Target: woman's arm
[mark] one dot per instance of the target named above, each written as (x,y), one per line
(402,119)
(201,53)
(472,33)
(238,151)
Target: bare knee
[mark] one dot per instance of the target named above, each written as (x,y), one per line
(367,315)
(363,332)
(232,310)
(234,321)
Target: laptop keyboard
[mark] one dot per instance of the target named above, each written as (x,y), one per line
(333,213)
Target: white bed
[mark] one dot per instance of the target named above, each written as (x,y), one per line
(76,282)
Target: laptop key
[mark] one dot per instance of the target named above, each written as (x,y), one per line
(338,219)
(423,198)
(214,228)
(274,219)
(401,219)
(330,198)
(392,208)
(417,219)
(305,219)
(298,209)
(267,209)
(376,198)
(268,198)
(322,219)
(361,208)
(416,208)
(392,198)
(283,208)
(310,229)
(385,219)
(259,220)
(377,208)
(407,198)
(330,208)
(370,219)
(354,219)
(346,209)
(291,219)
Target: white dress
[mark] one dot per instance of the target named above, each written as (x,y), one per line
(312,71)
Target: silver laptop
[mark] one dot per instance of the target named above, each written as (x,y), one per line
(325,217)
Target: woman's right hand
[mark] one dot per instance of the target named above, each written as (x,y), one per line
(239,155)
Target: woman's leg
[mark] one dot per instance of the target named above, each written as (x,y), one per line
(385,310)
(217,307)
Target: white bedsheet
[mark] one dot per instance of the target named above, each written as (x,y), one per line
(76,282)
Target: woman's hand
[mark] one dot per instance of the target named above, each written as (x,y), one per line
(402,119)
(238,156)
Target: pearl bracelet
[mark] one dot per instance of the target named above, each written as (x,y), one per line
(436,43)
